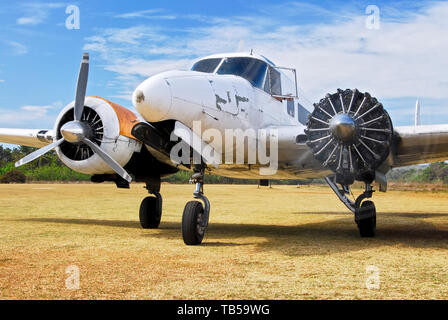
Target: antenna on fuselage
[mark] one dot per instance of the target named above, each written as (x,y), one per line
(251,52)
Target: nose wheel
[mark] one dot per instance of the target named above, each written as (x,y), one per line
(196,215)
(192,218)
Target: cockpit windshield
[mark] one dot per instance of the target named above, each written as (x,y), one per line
(251,69)
(207,65)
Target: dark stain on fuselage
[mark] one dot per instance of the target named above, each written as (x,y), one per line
(218,101)
(240,99)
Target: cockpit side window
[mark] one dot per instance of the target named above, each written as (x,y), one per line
(207,65)
(250,69)
(273,84)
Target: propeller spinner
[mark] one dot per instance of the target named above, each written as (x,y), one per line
(78,131)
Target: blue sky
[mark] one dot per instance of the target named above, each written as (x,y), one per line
(327,41)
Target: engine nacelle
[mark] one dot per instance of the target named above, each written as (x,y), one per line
(111,129)
(350,133)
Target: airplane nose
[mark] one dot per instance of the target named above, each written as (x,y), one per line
(152,99)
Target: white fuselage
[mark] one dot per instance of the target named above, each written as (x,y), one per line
(227,102)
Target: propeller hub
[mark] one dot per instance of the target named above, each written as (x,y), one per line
(343,127)
(75,131)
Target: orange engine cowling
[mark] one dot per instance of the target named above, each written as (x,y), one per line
(111,129)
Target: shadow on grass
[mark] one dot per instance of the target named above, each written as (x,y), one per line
(207,243)
(98,222)
(327,237)
(412,215)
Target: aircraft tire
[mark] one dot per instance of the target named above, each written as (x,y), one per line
(150,213)
(367,226)
(191,220)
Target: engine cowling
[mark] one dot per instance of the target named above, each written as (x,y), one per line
(111,126)
(350,133)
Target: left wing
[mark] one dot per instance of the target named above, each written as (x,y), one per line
(27,137)
(420,144)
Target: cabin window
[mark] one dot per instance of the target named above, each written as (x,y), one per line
(207,65)
(290,107)
(253,70)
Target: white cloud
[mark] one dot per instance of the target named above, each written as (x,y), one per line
(37,13)
(29,115)
(115,40)
(161,14)
(146,68)
(2,81)
(153,14)
(17,48)
(138,14)
(28,20)
(38,110)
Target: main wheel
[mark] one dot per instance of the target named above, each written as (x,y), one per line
(151,212)
(191,223)
(367,226)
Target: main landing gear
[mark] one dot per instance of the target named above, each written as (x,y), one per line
(365,212)
(151,207)
(195,217)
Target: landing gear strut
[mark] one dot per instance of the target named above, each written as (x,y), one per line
(151,207)
(365,212)
(195,217)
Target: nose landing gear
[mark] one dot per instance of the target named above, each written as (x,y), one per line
(196,216)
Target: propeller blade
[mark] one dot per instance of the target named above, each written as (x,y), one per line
(81,87)
(111,162)
(36,154)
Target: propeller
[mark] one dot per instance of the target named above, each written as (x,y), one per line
(78,131)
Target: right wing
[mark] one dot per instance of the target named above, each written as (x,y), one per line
(27,137)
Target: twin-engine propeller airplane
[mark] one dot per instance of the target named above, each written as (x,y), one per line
(349,136)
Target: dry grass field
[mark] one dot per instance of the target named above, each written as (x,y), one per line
(280,243)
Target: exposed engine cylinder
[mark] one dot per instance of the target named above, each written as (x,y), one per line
(106,122)
(350,133)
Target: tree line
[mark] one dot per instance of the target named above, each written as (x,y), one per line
(50,168)
(46,168)
(435,172)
